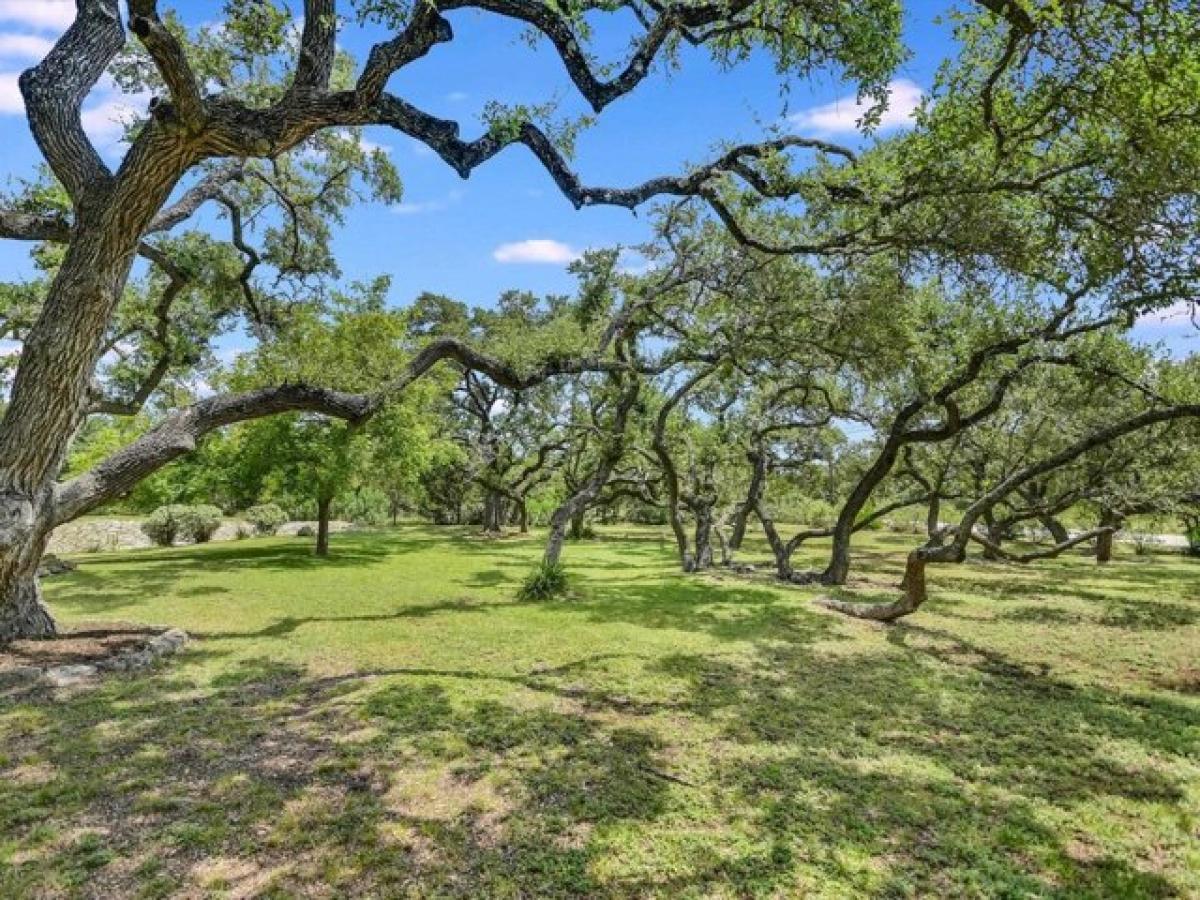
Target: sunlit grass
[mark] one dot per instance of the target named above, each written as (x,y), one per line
(393,722)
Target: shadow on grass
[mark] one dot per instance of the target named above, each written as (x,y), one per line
(922,765)
(934,767)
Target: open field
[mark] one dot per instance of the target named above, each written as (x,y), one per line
(390,722)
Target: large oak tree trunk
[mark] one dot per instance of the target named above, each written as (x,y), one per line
(24,614)
(49,401)
(493,513)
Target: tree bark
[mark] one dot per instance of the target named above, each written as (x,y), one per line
(781,550)
(577,523)
(914,594)
(323,506)
(703,557)
(1104,540)
(1058,531)
(838,569)
(22,614)
(754,496)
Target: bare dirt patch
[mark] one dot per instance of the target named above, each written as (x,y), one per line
(83,645)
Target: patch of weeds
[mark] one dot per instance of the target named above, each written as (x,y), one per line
(546,582)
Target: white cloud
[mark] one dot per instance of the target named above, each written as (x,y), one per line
(24,46)
(535,250)
(457,96)
(105,122)
(11,102)
(49,15)
(843,115)
(369,146)
(104,119)
(427,206)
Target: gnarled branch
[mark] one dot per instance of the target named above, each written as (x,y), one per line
(54,91)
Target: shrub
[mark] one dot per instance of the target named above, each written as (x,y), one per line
(170,523)
(266,518)
(547,581)
(163,525)
(1143,543)
(200,523)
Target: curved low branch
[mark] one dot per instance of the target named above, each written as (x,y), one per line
(954,552)
(180,432)
(1045,552)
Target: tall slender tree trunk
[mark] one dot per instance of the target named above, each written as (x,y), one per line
(754,496)
(995,535)
(323,507)
(493,513)
(838,569)
(523,517)
(1104,541)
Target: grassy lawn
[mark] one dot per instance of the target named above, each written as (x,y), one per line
(392,723)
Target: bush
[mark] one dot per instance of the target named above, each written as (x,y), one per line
(200,523)
(266,518)
(168,524)
(547,581)
(163,525)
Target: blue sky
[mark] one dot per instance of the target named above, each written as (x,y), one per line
(507,227)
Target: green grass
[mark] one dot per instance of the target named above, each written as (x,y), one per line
(393,722)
